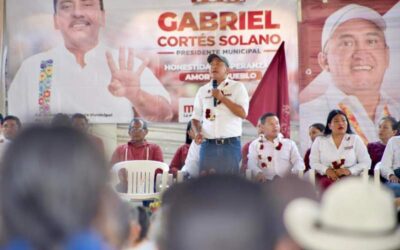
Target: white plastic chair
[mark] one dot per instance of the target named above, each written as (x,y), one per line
(377,175)
(141,175)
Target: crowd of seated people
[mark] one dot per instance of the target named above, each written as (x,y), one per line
(60,174)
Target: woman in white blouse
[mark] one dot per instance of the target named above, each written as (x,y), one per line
(338,152)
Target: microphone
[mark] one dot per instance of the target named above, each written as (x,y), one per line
(215,85)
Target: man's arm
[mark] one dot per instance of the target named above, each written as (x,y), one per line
(196,125)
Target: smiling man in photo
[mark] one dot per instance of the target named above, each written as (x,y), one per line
(81,76)
(356,56)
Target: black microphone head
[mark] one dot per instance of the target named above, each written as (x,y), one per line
(214,84)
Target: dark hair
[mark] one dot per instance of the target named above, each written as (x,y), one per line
(1,118)
(51,180)
(79,116)
(13,118)
(144,123)
(319,126)
(222,212)
(188,128)
(392,120)
(60,120)
(56,1)
(265,116)
(332,114)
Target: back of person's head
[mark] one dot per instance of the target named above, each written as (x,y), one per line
(60,120)
(50,186)
(330,117)
(218,212)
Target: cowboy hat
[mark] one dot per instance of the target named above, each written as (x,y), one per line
(353,215)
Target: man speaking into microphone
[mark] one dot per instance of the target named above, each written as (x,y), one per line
(219,109)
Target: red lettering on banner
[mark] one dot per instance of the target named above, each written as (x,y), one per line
(188,22)
(228,19)
(202,77)
(254,20)
(186,41)
(162,21)
(209,21)
(252,40)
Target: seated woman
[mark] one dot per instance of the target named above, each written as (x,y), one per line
(178,161)
(314,131)
(390,164)
(388,128)
(339,152)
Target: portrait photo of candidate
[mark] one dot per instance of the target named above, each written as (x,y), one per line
(82,74)
(354,59)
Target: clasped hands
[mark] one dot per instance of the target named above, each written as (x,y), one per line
(335,174)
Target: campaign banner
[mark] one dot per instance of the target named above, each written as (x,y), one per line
(349,61)
(112,60)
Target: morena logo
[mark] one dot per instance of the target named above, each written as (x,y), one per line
(188,109)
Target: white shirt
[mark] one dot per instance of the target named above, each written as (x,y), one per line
(75,89)
(391,157)
(226,124)
(192,162)
(318,109)
(324,152)
(283,161)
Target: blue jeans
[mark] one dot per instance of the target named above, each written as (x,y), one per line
(395,187)
(223,158)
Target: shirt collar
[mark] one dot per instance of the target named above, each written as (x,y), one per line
(90,56)
(145,143)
